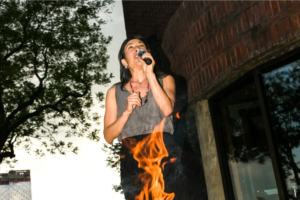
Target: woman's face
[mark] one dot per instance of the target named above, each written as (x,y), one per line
(130,51)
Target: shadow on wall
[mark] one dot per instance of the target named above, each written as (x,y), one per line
(185,131)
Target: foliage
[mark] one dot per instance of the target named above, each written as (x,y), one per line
(113,160)
(51,53)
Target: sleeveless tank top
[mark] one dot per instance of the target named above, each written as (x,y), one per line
(143,119)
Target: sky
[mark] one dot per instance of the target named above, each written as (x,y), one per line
(85,175)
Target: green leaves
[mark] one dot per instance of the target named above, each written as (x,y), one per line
(52,52)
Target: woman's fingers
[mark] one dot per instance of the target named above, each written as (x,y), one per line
(134,99)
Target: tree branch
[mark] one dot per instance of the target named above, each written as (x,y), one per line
(10,154)
(48,106)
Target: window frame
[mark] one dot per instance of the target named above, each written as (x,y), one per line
(254,76)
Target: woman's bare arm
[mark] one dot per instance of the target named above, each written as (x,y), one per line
(165,98)
(113,125)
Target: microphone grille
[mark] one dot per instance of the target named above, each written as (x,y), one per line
(140,52)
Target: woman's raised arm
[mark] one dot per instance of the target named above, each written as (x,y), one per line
(113,125)
(164,98)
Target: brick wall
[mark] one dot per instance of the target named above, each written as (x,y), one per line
(212,43)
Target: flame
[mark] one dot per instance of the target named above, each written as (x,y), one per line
(171,161)
(122,156)
(149,152)
(177,115)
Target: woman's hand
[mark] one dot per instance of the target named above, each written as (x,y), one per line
(148,69)
(132,101)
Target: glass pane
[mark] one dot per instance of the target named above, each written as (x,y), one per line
(247,151)
(282,87)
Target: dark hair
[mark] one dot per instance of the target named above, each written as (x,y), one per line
(125,74)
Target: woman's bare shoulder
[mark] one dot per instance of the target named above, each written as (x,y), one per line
(111,92)
(168,79)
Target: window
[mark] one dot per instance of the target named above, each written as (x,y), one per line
(257,129)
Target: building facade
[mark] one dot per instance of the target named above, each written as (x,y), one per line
(15,185)
(240,63)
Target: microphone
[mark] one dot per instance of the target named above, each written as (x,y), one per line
(140,52)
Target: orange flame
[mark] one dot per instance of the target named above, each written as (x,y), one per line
(149,152)
(171,161)
(177,115)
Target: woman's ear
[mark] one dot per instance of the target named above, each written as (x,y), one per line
(124,63)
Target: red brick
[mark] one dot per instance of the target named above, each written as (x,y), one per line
(282,5)
(214,66)
(244,51)
(218,12)
(246,35)
(192,61)
(229,31)
(238,26)
(208,76)
(207,48)
(274,35)
(198,56)
(202,25)
(199,82)
(262,11)
(197,85)
(234,28)
(229,61)
(219,65)
(222,8)
(234,42)
(250,18)
(215,39)
(202,79)
(233,57)
(256,14)
(268,6)
(195,58)
(198,70)
(224,63)
(256,46)
(295,24)
(271,21)
(262,42)
(287,28)
(205,77)
(200,31)
(213,44)
(205,22)
(290,3)
(244,22)
(275,7)
(292,11)
(238,54)
(193,86)
(224,35)
(219,38)
(280,31)
(250,47)
(202,52)
(211,72)
(245,6)
(206,62)
(268,38)
(219,53)
(213,14)
(228,5)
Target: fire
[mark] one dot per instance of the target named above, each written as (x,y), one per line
(177,115)
(149,152)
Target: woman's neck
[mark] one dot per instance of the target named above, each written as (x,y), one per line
(138,76)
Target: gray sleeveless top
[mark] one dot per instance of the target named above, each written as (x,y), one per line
(143,119)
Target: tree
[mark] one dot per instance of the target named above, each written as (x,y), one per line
(51,53)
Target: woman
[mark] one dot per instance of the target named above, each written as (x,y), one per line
(134,107)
